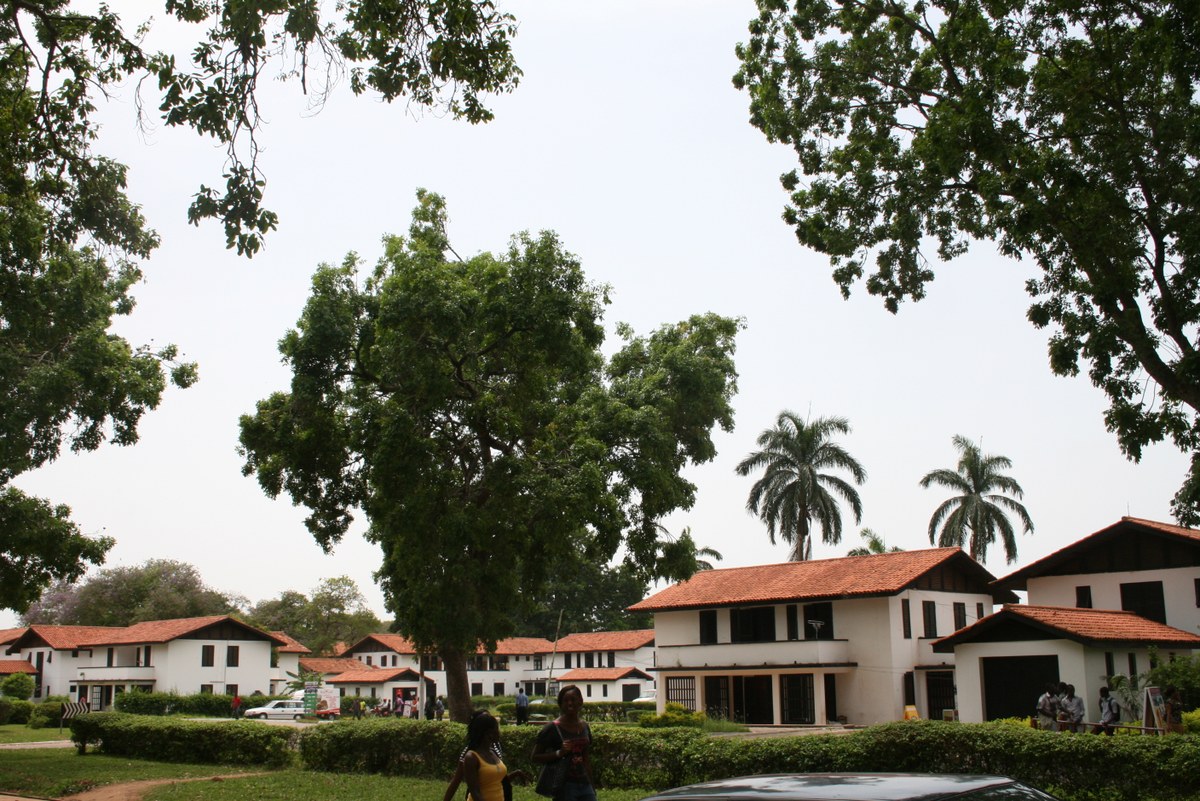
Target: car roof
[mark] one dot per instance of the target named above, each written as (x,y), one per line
(835,787)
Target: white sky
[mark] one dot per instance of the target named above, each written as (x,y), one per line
(628,139)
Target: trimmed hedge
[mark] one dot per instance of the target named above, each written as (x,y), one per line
(238,742)
(595,711)
(201,704)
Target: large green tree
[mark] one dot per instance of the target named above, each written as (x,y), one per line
(1065,131)
(159,589)
(796,489)
(71,239)
(979,512)
(467,408)
(587,596)
(336,612)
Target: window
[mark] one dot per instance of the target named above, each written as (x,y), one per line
(206,689)
(208,656)
(818,621)
(791,613)
(111,656)
(368,659)
(708,626)
(1145,598)
(1197,583)
(604,689)
(960,615)
(682,690)
(537,662)
(567,661)
(755,624)
(1132,664)
(232,655)
(498,688)
(231,689)
(476,688)
(589,690)
(1083,597)
(588,660)
(1110,664)
(929,616)
(612,658)
(979,611)
(906,618)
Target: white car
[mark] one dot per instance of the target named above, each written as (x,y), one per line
(288,709)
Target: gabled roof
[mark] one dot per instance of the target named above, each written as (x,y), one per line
(293,646)
(1131,543)
(402,645)
(375,676)
(607,641)
(330,665)
(11,666)
(72,638)
(604,674)
(10,635)
(1092,627)
(822,579)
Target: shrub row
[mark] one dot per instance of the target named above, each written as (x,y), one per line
(241,742)
(596,711)
(1076,767)
(14,710)
(202,704)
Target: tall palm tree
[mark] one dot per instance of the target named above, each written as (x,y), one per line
(793,492)
(981,510)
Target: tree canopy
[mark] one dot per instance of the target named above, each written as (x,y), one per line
(979,513)
(796,489)
(1064,131)
(71,238)
(336,612)
(466,407)
(159,589)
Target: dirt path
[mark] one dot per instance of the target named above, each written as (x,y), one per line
(133,791)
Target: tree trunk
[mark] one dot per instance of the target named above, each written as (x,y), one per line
(458,689)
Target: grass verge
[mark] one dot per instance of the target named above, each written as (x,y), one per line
(54,772)
(20,733)
(288,785)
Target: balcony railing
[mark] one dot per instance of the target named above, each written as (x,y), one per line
(115,673)
(756,654)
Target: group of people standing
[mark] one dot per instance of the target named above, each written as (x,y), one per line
(566,742)
(1060,709)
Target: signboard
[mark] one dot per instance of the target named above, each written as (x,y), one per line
(74,709)
(911,713)
(1154,710)
(310,696)
(327,697)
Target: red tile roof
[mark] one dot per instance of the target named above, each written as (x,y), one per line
(330,665)
(1088,626)
(607,641)
(293,646)
(1045,565)
(374,676)
(603,674)
(850,576)
(402,645)
(71,638)
(10,635)
(11,666)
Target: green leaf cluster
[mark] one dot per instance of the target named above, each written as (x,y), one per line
(467,408)
(1067,132)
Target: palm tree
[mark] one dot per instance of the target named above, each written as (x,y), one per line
(875,544)
(980,511)
(793,492)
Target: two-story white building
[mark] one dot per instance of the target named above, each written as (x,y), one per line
(286,668)
(215,654)
(1096,608)
(605,665)
(814,642)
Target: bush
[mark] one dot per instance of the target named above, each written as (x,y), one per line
(21,711)
(674,715)
(17,686)
(47,713)
(6,710)
(198,705)
(241,742)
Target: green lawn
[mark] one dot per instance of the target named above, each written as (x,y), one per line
(54,772)
(20,733)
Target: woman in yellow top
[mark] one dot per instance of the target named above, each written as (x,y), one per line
(483,768)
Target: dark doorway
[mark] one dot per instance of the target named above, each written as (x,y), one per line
(796,698)
(631,692)
(939,691)
(753,700)
(716,697)
(831,713)
(1012,684)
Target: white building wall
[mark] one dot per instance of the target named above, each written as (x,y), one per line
(1179,592)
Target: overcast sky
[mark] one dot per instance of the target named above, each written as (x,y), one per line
(627,138)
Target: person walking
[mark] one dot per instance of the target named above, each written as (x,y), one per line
(237,706)
(569,737)
(1110,713)
(439,708)
(522,707)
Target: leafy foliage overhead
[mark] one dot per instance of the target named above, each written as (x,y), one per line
(336,612)
(467,408)
(1065,131)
